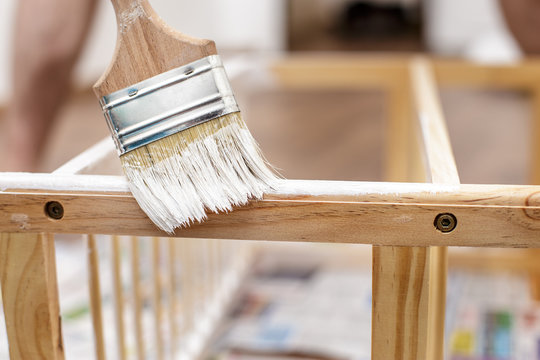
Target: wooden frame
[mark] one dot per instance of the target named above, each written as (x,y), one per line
(409,264)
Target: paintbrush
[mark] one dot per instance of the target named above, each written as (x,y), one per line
(183,146)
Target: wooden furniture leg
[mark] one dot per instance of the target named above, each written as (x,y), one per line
(400,300)
(409,285)
(535,178)
(30,295)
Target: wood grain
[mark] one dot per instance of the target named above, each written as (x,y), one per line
(442,167)
(30,296)
(137,304)
(95,297)
(535,137)
(172,296)
(118,297)
(488,215)
(400,276)
(535,178)
(157,300)
(400,299)
(146,47)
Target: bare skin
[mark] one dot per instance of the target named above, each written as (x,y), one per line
(523,19)
(49,36)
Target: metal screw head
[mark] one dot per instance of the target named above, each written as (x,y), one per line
(54,210)
(445,222)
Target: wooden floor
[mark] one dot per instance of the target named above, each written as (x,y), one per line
(338,135)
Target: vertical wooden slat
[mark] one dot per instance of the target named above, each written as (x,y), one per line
(30,296)
(535,137)
(400,277)
(137,300)
(198,275)
(187,286)
(201,261)
(400,299)
(95,297)
(173,314)
(158,308)
(218,271)
(118,297)
(427,329)
(211,269)
(535,177)
(442,170)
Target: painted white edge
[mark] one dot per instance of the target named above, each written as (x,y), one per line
(100,183)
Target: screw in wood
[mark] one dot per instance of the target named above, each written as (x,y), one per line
(54,210)
(445,222)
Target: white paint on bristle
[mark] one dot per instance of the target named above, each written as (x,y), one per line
(217,171)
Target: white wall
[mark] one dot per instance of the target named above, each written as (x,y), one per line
(472,29)
(233,24)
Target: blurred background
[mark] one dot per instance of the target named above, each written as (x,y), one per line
(438,26)
(314,301)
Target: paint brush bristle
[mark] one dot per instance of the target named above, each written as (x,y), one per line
(210,167)
(173,117)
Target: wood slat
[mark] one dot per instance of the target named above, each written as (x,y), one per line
(523,75)
(30,296)
(100,158)
(369,213)
(173,299)
(535,137)
(187,289)
(442,170)
(118,297)
(137,298)
(400,298)
(95,297)
(339,70)
(157,301)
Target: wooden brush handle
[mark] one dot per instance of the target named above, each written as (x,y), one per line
(146,46)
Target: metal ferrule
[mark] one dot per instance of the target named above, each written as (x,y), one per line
(168,103)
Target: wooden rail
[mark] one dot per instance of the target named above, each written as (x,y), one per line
(400,214)
(409,269)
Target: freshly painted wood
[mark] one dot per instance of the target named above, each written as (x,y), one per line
(400,285)
(95,297)
(488,215)
(146,47)
(30,296)
(118,297)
